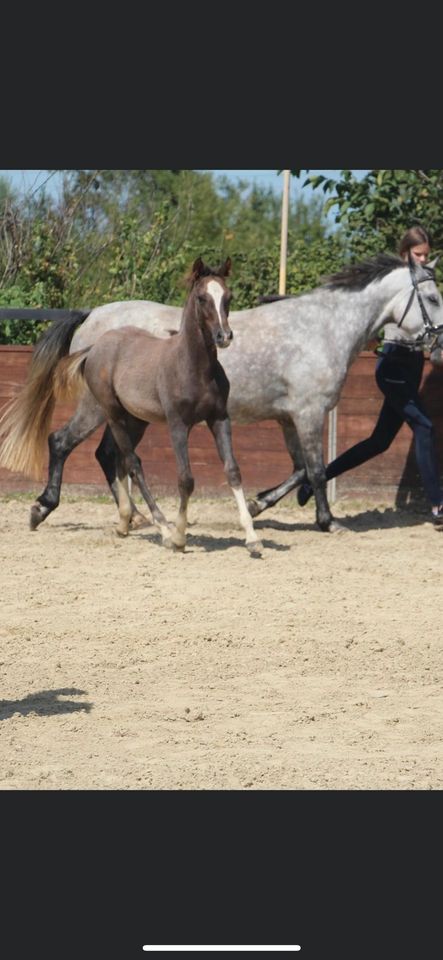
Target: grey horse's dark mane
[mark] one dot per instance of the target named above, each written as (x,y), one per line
(357,276)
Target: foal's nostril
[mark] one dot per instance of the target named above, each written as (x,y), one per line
(222,339)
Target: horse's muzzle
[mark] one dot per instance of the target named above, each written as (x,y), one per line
(223,340)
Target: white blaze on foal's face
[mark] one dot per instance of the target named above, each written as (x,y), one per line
(216,291)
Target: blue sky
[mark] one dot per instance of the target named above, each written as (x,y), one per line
(270,178)
(25,180)
(33,180)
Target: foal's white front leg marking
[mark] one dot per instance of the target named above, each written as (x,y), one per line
(245,517)
(170,536)
(181,522)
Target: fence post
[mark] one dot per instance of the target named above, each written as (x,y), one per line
(284,231)
(332,451)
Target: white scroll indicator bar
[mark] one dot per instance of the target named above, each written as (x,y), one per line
(240,949)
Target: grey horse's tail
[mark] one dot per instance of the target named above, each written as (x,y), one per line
(38,313)
(25,422)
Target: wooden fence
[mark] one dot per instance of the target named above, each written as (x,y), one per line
(259,447)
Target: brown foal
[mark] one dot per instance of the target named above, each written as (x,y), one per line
(137,379)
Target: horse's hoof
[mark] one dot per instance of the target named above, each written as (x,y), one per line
(336,527)
(169,543)
(254,508)
(178,538)
(138,522)
(178,541)
(178,547)
(121,533)
(37,516)
(255,548)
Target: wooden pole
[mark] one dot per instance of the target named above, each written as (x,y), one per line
(284,231)
(332,452)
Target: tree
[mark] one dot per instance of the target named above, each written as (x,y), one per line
(7,192)
(374,211)
(133,234)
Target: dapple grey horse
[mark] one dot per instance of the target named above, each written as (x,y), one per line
(288,363)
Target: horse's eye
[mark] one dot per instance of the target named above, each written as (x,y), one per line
(432,298)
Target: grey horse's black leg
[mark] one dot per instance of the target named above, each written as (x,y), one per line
(311,445)
(293,444)
(86,419)
(310,432)
(268,498)
(106,455)
(316,475)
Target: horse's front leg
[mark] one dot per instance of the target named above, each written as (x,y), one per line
(221,431)
(179,436)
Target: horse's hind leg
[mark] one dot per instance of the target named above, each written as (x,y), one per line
(310,447)
(293,444)
(106,455)
(129,464)
(311,439)
(116,464)
(221,430)
(268,498)
(86,419)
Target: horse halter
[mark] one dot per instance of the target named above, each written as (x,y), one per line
(427,322)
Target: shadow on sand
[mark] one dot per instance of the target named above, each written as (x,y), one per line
(209,543)
(367,520)
(45,703)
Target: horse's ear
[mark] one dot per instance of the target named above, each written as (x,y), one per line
(420,268)
(197,268)
(225,268)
